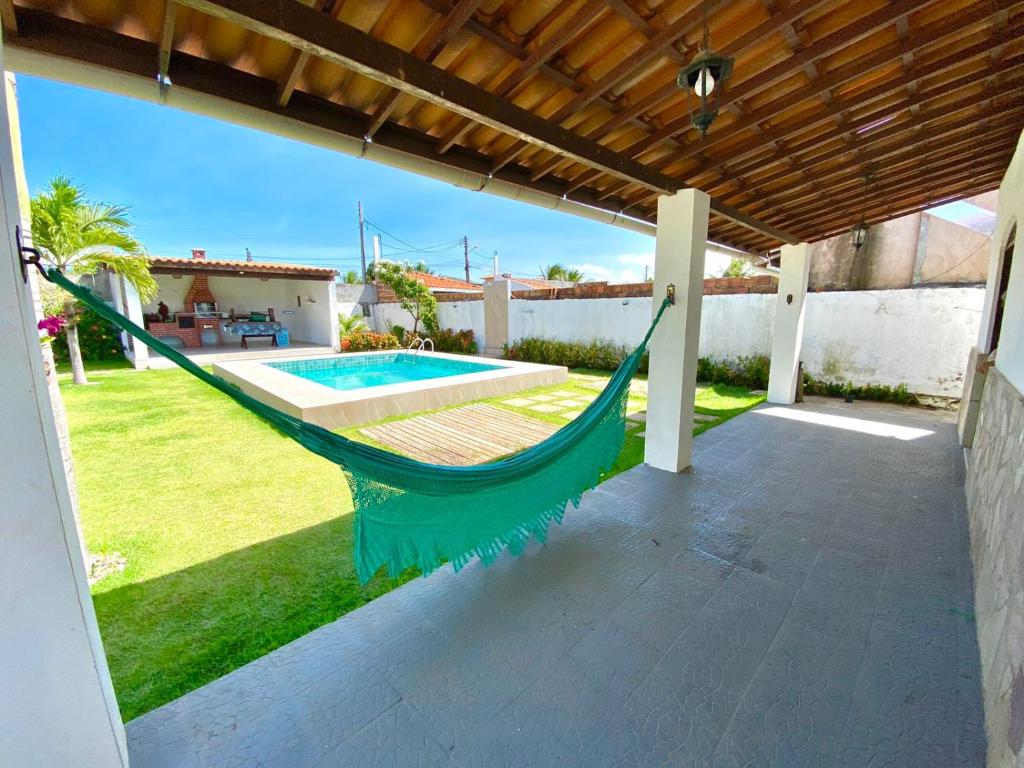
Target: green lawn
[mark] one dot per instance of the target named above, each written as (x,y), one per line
(237,539)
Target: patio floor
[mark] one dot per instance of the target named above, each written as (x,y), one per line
(803,598)
(258,349)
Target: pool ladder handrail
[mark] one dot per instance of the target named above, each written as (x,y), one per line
(420,344)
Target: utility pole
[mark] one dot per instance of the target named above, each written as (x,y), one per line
(248,255)
(465,252)
(362,240)
(495,265)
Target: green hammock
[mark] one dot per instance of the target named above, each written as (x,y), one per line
(409,513)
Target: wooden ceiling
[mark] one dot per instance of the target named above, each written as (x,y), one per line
(836,109)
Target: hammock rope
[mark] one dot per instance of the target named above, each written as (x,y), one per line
(412,513)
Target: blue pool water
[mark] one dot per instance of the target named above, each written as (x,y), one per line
(360,371)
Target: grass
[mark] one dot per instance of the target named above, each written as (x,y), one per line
(237,540)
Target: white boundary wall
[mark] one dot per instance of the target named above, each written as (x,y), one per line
(921,337)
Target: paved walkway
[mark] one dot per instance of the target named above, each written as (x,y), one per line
(803,598)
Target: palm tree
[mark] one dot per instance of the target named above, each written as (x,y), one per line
(554,271)
(422,266)
(351,277)
(81,237)
(349,323)
(572,275)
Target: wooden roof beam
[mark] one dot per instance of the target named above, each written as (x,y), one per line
(166,44)
(428,49)
(504,84)
(8,19)
(655,47)
(954,24)
(334,41)
(299,60)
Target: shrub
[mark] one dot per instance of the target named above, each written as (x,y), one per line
(460,342)
(598,355)
(364,340)
(750,372)
(98,339)
(399,333)
(878,392)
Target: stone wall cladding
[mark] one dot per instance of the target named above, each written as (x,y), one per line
(995,499)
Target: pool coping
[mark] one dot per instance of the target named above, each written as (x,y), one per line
(336,409)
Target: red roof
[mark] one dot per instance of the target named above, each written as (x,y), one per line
(174,264)
(443,282)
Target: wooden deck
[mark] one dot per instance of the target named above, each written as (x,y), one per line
(462,436)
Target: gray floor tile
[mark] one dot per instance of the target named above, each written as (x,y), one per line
(811,607)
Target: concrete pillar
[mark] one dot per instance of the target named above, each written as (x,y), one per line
(789,323)
(57,703)
(140,352)
(672,380)
(118,296)
(332,309)
(497,302)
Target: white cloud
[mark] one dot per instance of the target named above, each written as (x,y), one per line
(624,268)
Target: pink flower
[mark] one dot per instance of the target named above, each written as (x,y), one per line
(52,325)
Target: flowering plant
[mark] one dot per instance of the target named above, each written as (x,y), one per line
(52,325)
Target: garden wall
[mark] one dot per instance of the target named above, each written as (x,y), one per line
(920,337)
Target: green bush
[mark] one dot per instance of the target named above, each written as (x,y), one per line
(879,392)
(750,372)
(98,339)
(364,340)
(399,333)
(460,342)
(598,355)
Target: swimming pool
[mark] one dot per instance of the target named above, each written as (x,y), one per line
(339,391)
(358,371)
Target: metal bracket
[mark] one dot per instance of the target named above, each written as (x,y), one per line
(33,259)
(670,293)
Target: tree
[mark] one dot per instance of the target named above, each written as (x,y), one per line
(349,323)
(554,271)
(422,266)
(572,275)
(351,277)
(413,296)
(736,268)
(79,238)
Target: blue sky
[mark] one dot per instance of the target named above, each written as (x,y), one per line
(193,181)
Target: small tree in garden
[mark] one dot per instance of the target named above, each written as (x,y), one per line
(414,297)
(736,268)
(81,237)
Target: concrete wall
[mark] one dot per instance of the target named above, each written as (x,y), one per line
(307,321)
(920,337)
(918,249)
(352,297)
(995,494)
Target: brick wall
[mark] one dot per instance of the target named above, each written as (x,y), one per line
(715,286)
(712,287)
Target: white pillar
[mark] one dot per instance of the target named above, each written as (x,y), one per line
(789,323)
(672,380)
(57,704)
(332,310)
(140,352)
(118,295)
(497,303)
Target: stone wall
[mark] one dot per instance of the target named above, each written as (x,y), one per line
(995,500)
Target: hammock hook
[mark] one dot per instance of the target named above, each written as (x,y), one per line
(34,258)
(670,293)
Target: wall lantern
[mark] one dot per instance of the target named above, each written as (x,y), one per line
(859,234)
(704,82)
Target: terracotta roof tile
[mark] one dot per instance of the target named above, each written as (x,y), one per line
(445,282)
(264,267)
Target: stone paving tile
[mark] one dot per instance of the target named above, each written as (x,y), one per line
(768,609)
(570,403)
(639,416)
(542,398)
(546,408)
(518,402)
(571,414)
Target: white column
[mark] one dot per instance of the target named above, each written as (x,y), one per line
(332,309)
(497,303)
(57,704)
(672,380)
(118,295)
(140,356)
(789,323)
